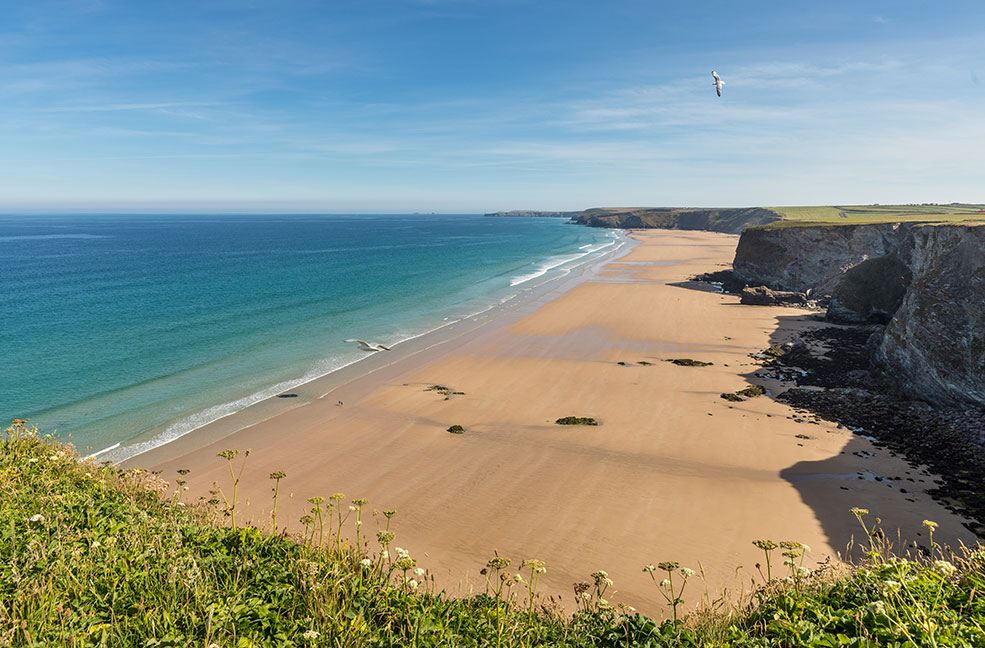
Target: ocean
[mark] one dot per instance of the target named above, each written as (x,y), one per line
(114,327)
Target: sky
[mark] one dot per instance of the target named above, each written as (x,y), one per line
(483,105)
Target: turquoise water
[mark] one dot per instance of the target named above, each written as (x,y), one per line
(116,325)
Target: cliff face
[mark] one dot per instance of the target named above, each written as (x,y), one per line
(936,340)
(730,221)
(927,281)
(811,258)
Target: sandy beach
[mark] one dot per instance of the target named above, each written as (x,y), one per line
(672,472)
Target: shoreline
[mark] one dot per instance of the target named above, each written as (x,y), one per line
(313,388)
(672,473)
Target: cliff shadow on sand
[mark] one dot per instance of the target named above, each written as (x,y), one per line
(907,456)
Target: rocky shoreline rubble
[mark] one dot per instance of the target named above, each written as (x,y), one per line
(832,373)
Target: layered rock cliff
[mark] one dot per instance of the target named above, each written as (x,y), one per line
(927,281)
(731,221)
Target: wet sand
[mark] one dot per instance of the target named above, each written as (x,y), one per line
(672,472)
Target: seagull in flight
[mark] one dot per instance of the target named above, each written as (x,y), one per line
(718,83)
(366,346)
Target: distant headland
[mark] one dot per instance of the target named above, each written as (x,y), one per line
(734,220)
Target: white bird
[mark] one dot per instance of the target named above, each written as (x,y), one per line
(718,83)
(366,346)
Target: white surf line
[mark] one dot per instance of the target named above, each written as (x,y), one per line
(104,450)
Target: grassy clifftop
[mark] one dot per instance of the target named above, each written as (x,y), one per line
(94,556)
(869,214)
(737,219)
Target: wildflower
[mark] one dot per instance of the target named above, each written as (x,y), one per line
(858,512)
(366,562)
(930,525)
(669,566)
(649,568)
(311,635)
(389,514)
(32,460)
(280,474)
(518,578)
(352,508)
(944,567)
(687,573)
(37,517)
(890,586)
(419,572)
(88,475)
(96,544)
(586,596)
(401,552)
(498,563)
(537,566)
(385,537)
(787,580)
(603,602)
(412,584)
(181,503)
(765,545)
(337,496)
(877,608)
(665,583)
(803,571)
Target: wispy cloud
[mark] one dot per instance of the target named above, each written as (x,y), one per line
(122,107)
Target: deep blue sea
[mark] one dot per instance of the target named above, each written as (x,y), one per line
(112,325)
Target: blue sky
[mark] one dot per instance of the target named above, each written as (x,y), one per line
(480,105)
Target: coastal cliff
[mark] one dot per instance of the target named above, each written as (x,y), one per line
(925,281)
(731,221)
(526,213)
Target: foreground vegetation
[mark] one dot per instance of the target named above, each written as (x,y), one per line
(94,556)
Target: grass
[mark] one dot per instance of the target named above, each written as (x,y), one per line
(869,214)
(95,556)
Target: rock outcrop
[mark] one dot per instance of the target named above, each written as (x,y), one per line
(763,296)
(927,282)
(870,292)
(935,342)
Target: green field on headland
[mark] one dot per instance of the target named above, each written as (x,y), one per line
(91,555)
(866,214)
